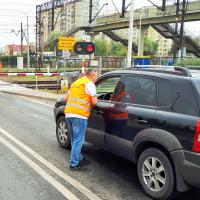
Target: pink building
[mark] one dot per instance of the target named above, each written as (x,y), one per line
(15,50)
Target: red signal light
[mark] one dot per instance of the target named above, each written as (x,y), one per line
(84,48)
(90,48)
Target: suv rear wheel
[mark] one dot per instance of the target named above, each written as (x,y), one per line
(156,174)
(62,135)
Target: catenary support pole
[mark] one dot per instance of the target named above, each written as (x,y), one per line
(28,47)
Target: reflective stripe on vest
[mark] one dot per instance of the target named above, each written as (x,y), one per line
(78,106)
(78,100)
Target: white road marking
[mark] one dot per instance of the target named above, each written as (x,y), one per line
(61,188)
(36,101)
(4,86)
(89,194)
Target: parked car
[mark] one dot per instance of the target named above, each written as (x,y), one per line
(150,116)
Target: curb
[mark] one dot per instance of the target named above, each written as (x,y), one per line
(27,95)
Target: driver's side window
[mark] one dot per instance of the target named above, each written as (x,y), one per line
(107,87)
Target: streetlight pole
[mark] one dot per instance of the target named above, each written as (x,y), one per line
(28,47)
(130,35)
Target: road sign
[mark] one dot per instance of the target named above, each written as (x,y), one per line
(64,85)
(66,43)
(20,64)
(94,63)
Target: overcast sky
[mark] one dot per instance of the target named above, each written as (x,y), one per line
(13,12)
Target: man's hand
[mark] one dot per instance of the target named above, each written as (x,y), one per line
(65,98)
(93,100)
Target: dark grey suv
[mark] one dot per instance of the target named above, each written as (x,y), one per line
(152,118)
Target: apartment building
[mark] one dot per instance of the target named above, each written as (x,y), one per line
(164,45)
(73,14)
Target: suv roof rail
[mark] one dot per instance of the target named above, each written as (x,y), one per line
(184,70)
(174,70)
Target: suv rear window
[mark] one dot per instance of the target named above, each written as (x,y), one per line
(177,98)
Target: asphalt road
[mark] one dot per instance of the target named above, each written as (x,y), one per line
(109,177)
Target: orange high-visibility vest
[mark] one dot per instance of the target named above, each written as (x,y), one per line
(78,101)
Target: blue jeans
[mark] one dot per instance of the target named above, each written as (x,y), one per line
(76,128)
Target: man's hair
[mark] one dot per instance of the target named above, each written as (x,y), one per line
(89,71)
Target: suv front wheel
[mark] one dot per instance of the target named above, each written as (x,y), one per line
(62,135)
(156,174)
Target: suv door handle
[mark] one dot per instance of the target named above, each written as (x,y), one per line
(141,121)
(98,112)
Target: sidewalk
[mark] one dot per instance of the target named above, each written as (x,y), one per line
(22,91)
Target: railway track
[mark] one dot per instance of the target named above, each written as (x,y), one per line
(33,82)
(50,85)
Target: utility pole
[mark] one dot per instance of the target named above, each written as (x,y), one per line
(90,11)
(123,8)
(21,40)
(130,35)
(28,47)
(53,14)
(38,34)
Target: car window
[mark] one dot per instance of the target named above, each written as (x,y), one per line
(107,85)
(184,105)
(140,90)
(173,99)
(165,93)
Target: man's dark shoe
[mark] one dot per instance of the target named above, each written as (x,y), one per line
(78,168)
(84,162)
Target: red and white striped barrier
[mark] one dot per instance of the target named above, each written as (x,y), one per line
(29,74)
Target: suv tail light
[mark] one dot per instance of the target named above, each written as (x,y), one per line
(196,143)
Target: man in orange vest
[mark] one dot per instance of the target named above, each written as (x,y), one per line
(80,99)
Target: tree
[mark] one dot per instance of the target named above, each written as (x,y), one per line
(102,48)
(150,45)
(118,49)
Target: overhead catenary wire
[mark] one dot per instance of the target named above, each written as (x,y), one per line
(115,6)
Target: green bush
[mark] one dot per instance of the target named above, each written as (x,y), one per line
(188,62)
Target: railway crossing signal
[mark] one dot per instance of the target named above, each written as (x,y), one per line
(84,48)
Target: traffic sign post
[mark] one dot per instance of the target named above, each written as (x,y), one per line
(64,85)
(58,64)
(83,66)
(66,43)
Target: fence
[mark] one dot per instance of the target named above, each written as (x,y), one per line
(11,62)
(105,63)
(102,63)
